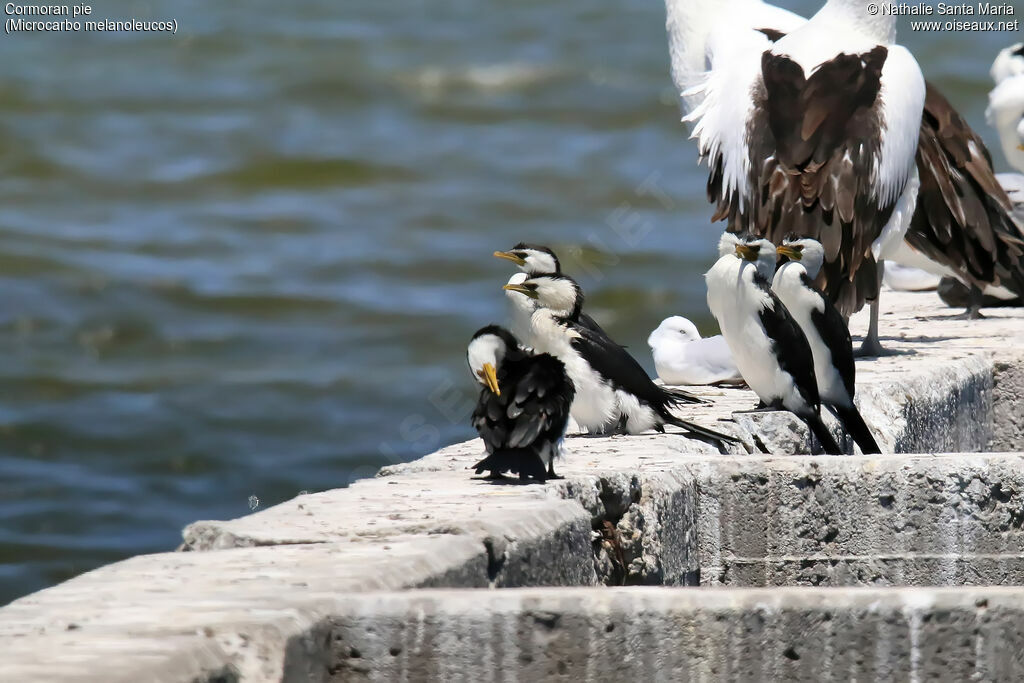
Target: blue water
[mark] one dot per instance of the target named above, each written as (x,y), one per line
(244,260)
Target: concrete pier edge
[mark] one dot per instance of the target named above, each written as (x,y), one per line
(306,590)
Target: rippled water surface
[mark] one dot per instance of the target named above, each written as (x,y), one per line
(244,261)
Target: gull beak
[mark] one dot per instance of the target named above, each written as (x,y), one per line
(490,377)
(1021,147)
(747,252)
(789,252)
(509,256)
(532,293)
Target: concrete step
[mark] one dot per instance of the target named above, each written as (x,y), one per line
(663,634)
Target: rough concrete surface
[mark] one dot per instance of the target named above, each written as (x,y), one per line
(1008,400)
(266,597)
(909,520)
(659,634)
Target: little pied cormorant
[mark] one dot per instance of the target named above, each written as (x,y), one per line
(612,389)
(521,311)
(826,332)
(770,350)
(536,259)
(523,407)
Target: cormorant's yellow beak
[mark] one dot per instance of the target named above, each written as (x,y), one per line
(490,377)
(509,256)
(1020,147)
(532,293)
(789,252)
(747,252)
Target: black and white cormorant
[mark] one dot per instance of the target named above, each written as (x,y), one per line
(536,259)
(520,311)
(769,347)
(826,332)
(523,408)
(613,393)
(532,259)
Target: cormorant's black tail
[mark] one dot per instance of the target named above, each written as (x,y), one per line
(522,461)
(675,396)
(857,428)
(828,442)
(704,432)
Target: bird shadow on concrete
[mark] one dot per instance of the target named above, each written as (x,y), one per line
(506,481)
(923,339)
(887,345)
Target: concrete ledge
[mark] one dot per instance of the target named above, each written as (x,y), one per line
(258,611)
(682,520)
(266,597)
(508,528)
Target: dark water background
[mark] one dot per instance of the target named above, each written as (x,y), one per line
(244,260)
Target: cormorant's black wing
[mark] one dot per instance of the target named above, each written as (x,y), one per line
(489,419)
(540,401)
(836,335)
(623,371)
(586,322)
(790,346)
(589,323)
(536,395)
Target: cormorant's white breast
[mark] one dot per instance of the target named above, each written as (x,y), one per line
(612,390)
(768,345)
(826,333)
